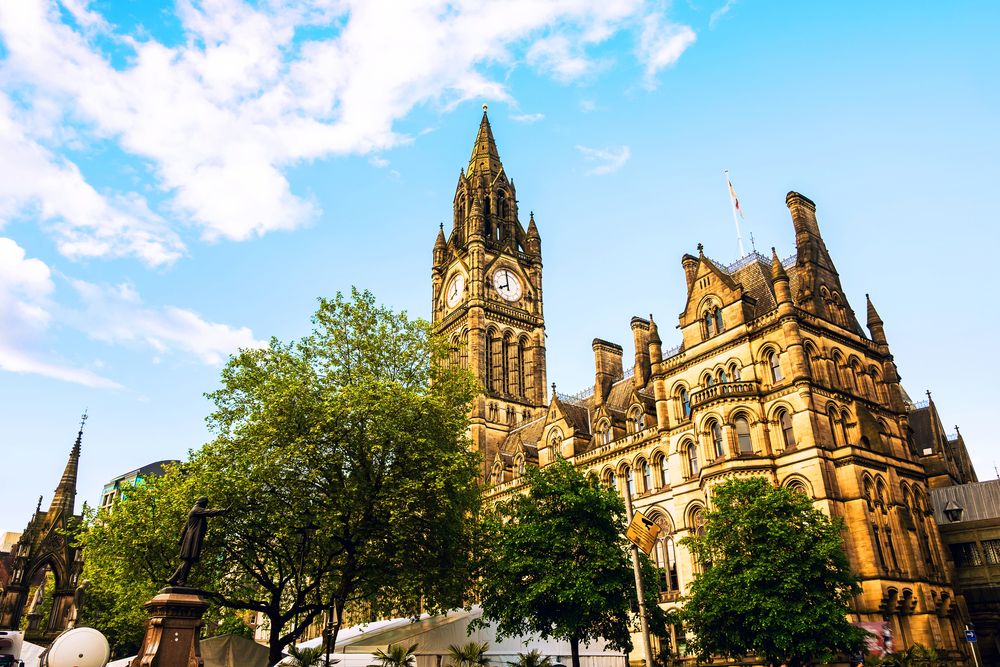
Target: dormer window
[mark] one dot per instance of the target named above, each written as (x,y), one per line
(718,321)
(604,432)
(636,421)
(709,325)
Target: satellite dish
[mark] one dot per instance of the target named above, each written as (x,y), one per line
(80,647)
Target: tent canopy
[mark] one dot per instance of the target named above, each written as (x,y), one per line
(433,635)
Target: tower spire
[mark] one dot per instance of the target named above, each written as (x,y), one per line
(65,495)
(485,159)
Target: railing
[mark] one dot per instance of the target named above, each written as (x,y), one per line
(589,391)
(749,259)
(724,390)
(952,437)
(673,352)
(918,405)
(578,397)
(624,441)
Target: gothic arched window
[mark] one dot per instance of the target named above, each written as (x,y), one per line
(787,433)
(685,403)
(709,325)
(647,477)
(718,321)
(663,471)
(775,362)
(692,456)
(743,435)
(629,482)
(716,432)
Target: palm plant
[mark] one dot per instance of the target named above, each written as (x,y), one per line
(929,657)
(531,659)
(395,656)
(472,654)
(306,657)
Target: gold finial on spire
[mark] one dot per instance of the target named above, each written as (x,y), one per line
(484,107)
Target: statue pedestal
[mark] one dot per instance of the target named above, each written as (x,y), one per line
(173,630)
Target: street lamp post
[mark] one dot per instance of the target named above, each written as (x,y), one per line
(333,621)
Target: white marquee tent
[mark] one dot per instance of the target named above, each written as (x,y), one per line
(433,635)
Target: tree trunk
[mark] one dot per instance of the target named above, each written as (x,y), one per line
(574,647)
(274,645)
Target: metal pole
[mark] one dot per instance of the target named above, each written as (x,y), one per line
(639,587)
(972,645)
(732,202)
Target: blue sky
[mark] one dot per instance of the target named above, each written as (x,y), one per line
(181,179)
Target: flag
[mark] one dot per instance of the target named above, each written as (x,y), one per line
(732,193)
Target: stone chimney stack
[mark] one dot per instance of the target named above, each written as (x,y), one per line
(640,333)
(608,363)
(690,264)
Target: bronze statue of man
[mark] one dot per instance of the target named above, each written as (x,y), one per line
(191,539)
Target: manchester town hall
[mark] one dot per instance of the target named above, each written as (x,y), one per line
(774,377)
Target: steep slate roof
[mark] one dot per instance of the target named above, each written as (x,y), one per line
(527,436)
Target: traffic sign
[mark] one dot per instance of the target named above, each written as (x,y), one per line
(970,635)
(642,532)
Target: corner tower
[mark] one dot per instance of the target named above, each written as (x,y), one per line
(487,297)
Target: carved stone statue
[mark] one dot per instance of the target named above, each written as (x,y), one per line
(78,599)
(191,539)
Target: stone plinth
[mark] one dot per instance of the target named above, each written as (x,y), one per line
(173,630)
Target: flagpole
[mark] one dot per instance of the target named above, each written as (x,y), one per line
(732,203)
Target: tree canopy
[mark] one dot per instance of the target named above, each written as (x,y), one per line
(357,433)
(556,562)
(775,580)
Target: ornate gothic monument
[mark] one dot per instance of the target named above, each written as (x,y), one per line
(42,546)
(487,281)
(772,376)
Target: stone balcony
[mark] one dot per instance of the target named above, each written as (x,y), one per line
(722,391)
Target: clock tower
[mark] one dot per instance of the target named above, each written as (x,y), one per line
(487,297)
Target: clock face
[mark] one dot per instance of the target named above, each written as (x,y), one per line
(507,285)
(455,290)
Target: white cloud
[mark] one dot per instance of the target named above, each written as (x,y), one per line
(25,289)
(661,44)
(586,106)
(376,161)
(720,12)
(221,116)
(613,158)
(117,315)
(528,118)
(85,223)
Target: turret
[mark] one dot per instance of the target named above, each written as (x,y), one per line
(532,241)
(655,344)
(779,278)
(440,248)
(875,324)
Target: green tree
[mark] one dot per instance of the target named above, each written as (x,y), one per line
(556,563)
(775,579)
(533,658)
(471,654)
(358,429)
(395,655)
